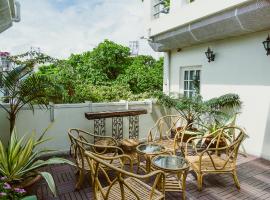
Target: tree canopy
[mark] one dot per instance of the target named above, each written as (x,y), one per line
(107,73)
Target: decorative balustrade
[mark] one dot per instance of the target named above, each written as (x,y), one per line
(117,122)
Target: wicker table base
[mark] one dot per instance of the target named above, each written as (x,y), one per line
(176,169)
(129,147)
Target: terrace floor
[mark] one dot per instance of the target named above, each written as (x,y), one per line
(253,173)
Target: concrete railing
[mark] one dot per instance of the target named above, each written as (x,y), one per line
(61,117)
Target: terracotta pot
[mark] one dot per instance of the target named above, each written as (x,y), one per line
(29,182)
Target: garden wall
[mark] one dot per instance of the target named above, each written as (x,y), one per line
(65,116)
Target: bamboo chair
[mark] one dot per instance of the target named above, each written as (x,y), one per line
(220,154)
(79,144)
(124,185)
(161,132)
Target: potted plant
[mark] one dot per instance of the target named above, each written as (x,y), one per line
(222,113)
(196,111)
(189,108)
(21,160)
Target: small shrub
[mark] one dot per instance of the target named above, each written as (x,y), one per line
(9,193)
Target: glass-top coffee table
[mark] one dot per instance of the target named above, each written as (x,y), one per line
(176,169)
(148,150)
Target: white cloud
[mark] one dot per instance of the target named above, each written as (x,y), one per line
(62,27)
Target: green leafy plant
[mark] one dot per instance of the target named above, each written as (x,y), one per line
(21,87)
(21,160)
(218,122)
(214,112)
(190,109)
(7,192)
(107,73)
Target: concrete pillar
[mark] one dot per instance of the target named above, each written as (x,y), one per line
(166,73)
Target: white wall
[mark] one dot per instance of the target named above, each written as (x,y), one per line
(241,66)
(182,12)
(72,116)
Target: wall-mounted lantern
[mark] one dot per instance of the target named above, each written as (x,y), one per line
(210,55)
(266,45)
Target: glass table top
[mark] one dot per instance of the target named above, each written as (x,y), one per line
(150,148)
(170,162)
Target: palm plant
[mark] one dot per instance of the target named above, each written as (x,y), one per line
(194,109)
(223,112)
(21,160)
(21,87)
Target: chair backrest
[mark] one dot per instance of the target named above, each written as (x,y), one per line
(167,126)
(98,167)
(224,143)
(80,143)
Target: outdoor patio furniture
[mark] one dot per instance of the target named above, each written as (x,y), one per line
(147,151)
(124,185)
(166,132)
(176,169)
(220,154)
(129,147)
(80,142)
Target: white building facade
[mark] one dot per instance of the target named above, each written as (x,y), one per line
(234,30)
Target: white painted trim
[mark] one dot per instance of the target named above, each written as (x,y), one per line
(181,76)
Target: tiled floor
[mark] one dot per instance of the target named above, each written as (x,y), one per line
(253,173)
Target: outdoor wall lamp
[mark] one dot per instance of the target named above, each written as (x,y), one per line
(266,45)
(210,55)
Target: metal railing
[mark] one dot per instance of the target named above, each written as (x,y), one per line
(163,7)
(160,7)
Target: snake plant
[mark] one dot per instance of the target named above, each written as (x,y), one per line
(21,159)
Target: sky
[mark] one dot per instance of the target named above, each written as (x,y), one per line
(62,27)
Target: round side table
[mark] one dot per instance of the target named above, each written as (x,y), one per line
(176,169)
(148,150)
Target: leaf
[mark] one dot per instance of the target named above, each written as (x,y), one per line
(49,179)
(40,163)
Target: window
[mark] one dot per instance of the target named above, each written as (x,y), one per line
(159,7)
(191,78)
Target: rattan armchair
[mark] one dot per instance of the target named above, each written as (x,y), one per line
(124,185)
(215,153)
(168,131)
(80,142)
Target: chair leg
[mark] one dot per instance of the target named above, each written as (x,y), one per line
(236,181)
(200,181)
(184,177)
(80,181)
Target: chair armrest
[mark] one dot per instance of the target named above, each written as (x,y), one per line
(122,157)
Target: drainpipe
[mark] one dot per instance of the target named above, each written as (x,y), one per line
(166,73)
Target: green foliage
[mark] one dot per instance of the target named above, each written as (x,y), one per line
(21,159)
(107,73)
(167,3)
(24,88)
(190,109)
(143,75)
(9,193)
(217,111)
(219,121)
(227,101)
(110,58)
